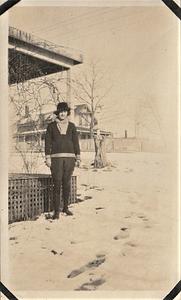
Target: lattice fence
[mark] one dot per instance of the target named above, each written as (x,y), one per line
(29,195)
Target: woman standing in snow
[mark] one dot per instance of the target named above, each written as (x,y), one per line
(61,152)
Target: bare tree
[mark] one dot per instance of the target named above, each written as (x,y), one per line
(28,99)
(88,89)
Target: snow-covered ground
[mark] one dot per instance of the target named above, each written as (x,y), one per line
(122,236)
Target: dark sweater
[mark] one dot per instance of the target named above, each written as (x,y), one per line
(61,145)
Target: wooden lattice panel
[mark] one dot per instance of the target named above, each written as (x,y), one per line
(31,195)
(15,201)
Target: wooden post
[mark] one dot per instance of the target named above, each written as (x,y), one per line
(4,149)
(68,95)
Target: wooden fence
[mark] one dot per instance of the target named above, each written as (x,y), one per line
(114,145)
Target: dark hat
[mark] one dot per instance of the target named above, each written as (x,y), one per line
(62,106)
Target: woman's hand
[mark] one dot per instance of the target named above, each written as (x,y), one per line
(48,162)
(77,161)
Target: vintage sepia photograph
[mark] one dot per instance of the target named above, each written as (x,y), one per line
(93,149)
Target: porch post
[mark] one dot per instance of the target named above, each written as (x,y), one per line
(68,94)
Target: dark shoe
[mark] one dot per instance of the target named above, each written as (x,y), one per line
(55,215)
(67,212)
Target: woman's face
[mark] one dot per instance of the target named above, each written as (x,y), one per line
(62,115)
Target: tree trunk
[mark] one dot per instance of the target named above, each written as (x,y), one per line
(92,126)
(100,160)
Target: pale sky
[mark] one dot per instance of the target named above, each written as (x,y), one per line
(138,51)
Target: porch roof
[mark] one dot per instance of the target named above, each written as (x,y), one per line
(31,57)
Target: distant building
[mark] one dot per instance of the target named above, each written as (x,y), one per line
(30,131)
(82,119)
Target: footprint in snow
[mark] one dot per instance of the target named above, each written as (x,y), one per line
(13,238)
(91,286)
(131,244)
(90,265)
(143,217)
(123,234)
(87,197)
(55,252)
(98,208)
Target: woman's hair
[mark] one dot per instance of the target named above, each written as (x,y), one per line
(62,106)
